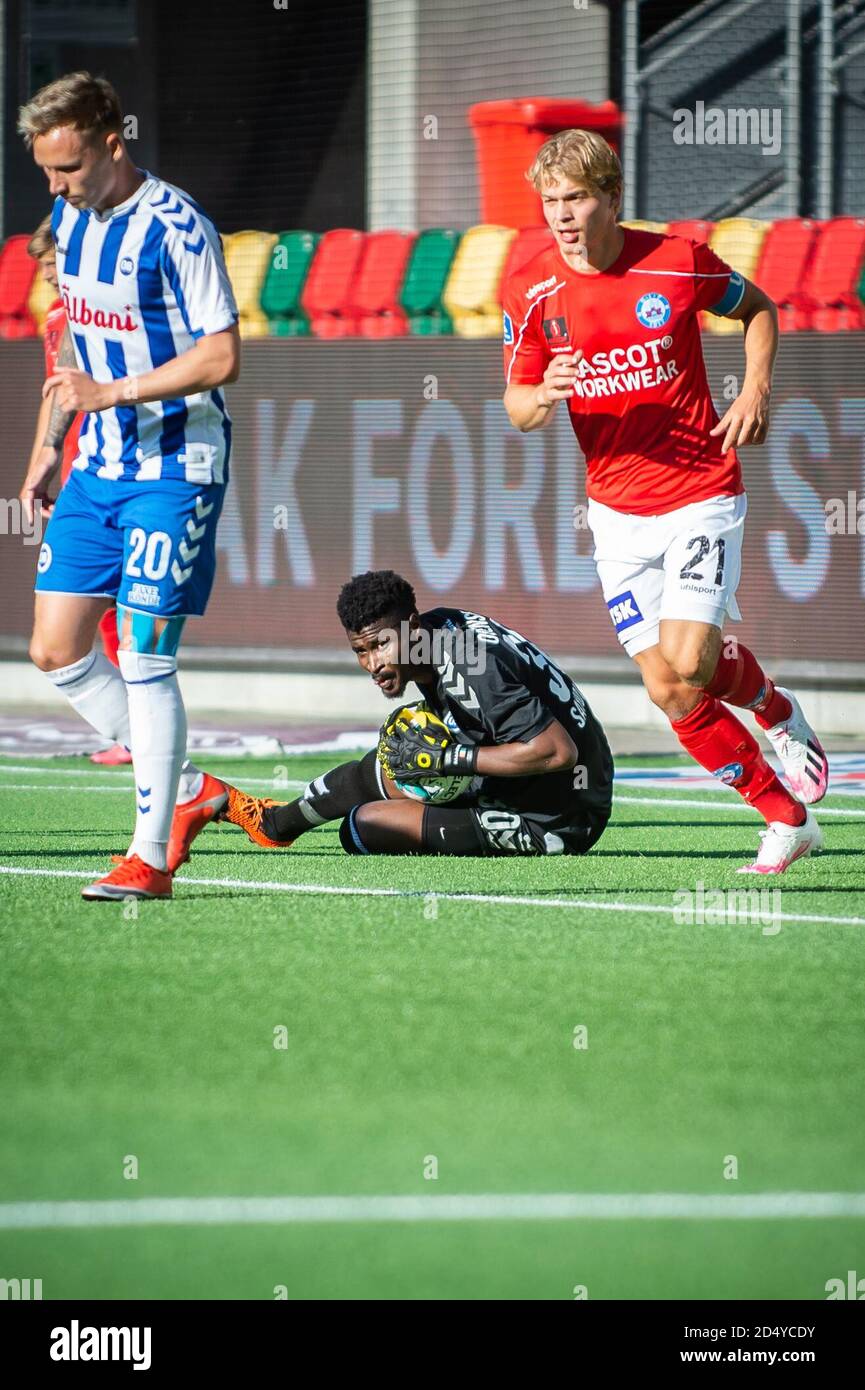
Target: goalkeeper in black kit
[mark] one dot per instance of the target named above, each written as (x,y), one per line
(504,738)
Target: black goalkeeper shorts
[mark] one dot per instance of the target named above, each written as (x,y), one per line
(500,831)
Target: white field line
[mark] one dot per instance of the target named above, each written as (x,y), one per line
(727,805)
(482,1206)
(127,787)
(498,899)
(291,785)
(64,771)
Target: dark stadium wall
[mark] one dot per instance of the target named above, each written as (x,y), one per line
(259,112)
(262,110)
(114,39)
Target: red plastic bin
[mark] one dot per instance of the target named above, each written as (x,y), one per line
(508,135)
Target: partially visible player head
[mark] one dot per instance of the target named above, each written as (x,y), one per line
(378,610)
(41,248)
(579,179)
(74,129)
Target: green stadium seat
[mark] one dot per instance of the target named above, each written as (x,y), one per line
(280,294)
(425,279)
(430,325)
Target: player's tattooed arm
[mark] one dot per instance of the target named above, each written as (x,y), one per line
(60,420)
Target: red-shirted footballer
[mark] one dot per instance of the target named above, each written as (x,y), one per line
(608,320)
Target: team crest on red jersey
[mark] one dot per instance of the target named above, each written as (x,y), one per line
(556,331)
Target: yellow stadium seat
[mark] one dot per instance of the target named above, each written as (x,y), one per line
(638,225)
(471,294)
(247,257)
(39,301)
(486,325)
(738,241)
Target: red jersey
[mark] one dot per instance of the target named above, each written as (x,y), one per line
(642,410)
(55,326)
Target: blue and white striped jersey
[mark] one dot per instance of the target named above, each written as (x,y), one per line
(141,283)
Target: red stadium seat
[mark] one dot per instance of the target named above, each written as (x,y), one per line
(831,283)
(782,270)
(693,230)
(380,273)
(528,243)
(17,272)
(327,294)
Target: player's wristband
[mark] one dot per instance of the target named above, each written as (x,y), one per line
(460,759)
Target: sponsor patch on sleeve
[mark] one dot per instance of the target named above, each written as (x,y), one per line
(508,329)
(624,611)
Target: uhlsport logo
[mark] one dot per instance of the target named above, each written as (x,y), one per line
(624,611)
(653,310)
(45,558)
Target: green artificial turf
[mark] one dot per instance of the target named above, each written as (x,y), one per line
(420,1026)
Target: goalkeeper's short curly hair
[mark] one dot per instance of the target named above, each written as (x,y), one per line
(367,598)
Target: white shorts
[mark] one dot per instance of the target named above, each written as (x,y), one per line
(681,564)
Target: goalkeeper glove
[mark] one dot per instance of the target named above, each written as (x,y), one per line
(410,754)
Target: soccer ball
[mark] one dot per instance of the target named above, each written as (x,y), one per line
(437,791)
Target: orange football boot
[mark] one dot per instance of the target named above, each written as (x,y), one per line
(246,811)
(115,756)
(130,878)
(190,819)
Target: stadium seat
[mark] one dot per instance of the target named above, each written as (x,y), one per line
(831,285)
(783,268)
(425,278)
(39,301)
(472,293)
(326,296)
(693,230)
(286,273)
(639,225)
(375,296)
(247,258)
(528,243)
(738,241)
(17,272)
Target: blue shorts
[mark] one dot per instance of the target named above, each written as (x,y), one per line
(149,545)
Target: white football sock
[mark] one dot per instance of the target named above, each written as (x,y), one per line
(157,723)
(190,784)
(96,689)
